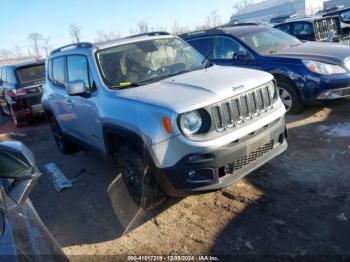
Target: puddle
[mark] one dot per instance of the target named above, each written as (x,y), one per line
(337,130)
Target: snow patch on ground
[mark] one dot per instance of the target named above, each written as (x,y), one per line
(337,130)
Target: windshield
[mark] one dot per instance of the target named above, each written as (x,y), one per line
(31,75)
(268,41)
(147,61)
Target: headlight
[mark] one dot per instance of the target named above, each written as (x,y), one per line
(272,89)
(323,68)
(190,122)
(347,64)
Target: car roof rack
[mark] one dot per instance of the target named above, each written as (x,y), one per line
(76,45)
(156,33)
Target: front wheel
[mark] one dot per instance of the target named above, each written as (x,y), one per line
(138,178)
(63,144)
(289,97)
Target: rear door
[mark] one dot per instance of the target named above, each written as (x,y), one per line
(60,100)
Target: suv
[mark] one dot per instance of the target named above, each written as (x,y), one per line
(21,90)
(170,117)
(314,29)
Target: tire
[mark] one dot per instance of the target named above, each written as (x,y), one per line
(18,123)
(138,178)
(64,145)
(290,97)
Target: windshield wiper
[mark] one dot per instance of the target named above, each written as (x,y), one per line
(206,58)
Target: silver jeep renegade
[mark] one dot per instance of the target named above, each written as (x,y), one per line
(159,108)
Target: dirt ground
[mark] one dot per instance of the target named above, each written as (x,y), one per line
(298,204)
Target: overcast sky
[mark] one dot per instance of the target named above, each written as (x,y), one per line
(52,18)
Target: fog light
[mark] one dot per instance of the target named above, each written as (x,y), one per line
(200,175)
(334,94)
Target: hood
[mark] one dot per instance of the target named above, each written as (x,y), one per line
(197,89)
(318,51)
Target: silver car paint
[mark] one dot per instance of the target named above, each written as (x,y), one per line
(141,109)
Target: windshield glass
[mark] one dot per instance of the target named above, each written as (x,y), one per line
(31,75)
(268,41)
(147,61)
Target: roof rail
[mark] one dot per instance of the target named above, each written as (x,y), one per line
(149,34)
(76,45)
(198,32)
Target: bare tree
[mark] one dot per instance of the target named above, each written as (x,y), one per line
(238,5)
(46,46)
(75,33)
(35,38)
(177,29)
(213,19)
(18,51)
(102,36)
(5,54)
(142,27)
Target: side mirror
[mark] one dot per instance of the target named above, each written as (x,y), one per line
(18,170)
(242,56)
(76,87)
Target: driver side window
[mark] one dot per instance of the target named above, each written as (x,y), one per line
(78,69)
(226,48)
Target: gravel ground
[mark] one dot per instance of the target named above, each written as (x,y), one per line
(298,204)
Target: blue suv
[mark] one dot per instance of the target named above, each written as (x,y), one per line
(306,72)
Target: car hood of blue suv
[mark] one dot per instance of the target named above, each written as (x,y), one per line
(198,88)
(318,51)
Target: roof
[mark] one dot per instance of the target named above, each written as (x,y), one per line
(233,30)
(116,42)
(335,12)
(26,63)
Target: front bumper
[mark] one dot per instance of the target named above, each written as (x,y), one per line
(209,171)
(327,87)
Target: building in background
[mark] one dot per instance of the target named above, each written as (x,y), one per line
(265,11)
(332,3)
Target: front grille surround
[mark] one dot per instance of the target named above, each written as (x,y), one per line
(240,109)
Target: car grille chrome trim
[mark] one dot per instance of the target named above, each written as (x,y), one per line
(242,108)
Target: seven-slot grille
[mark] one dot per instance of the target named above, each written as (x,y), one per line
(239,109)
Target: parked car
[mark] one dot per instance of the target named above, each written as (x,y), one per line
(344,15)
(21,90)
(23,236)
(314,28)
(306,72)
(166,113)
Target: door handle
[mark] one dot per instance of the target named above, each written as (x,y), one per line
(50,96)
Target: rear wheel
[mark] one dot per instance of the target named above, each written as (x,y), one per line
(289,97)
(63,144)
(14,118)
(138,178)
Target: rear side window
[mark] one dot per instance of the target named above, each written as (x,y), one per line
(284,27)
(58,75)
(31,75)
(302,29)
(202,45)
